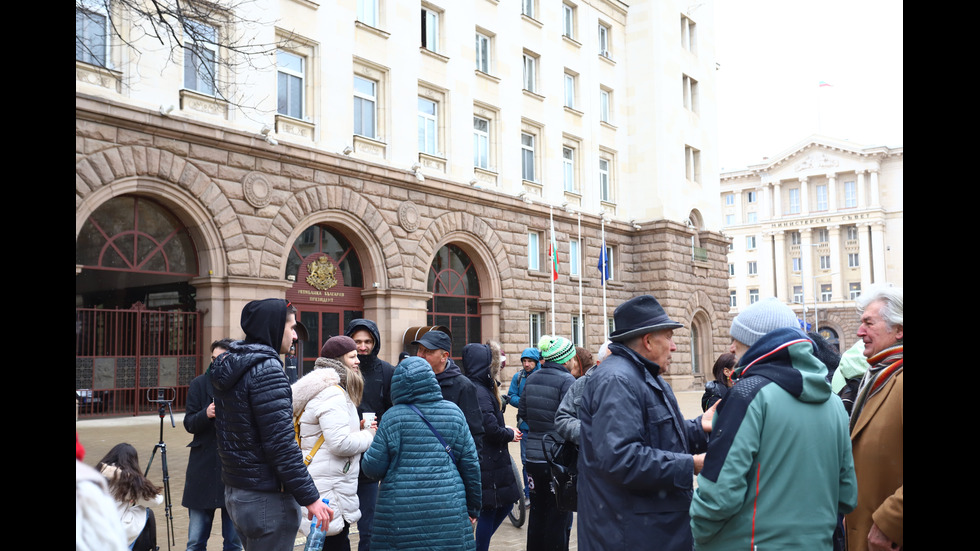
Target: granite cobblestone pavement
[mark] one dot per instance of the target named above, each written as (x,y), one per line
(143,432)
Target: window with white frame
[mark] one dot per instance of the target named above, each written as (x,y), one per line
(691,95)
(752,217)
(753,268)
(689,34)
(794,201)
(200,57)
(825,292)
(753,196)
(536,323)
(798,294)
(568,168)
(530,72)
(750,242)
(692,164)
(91,38)
(850,194)
(605,105)
(753,296)
(428,126)
(482,53)
(605,180)
(570,81)
(732,299)
(731,269)
(822,200)
(795,238)
(365,107)
(574,258)
(823,235)
(568,20)
(852,233)
(610,324)
(291,84)
(367,12)
(797,264)
(853,260)
(527,8)
(527,156)
(577,330)
(611,262)
(604,41)
(824,262)
(729,199)
(430,29)
(854,290)
(481,142)
(534,251)
(729,219)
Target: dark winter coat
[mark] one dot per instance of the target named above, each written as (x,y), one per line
(376,372)
(539,404)
(425,500)
(500,488)
(254,412)
(461,391)
(713,391)
(203,488)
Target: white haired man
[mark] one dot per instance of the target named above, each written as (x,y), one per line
(877,426)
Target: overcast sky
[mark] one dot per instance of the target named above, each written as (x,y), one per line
(774,54)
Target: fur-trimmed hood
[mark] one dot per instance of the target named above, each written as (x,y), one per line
(482,363)
(312,384)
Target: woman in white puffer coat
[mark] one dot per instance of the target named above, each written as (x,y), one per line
(326,402)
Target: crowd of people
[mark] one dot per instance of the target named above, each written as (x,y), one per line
(798,447)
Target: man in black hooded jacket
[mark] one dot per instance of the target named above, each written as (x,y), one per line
(261,464)
(376,399)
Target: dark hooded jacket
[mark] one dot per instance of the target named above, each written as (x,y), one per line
(538,406)
(500,488)
(461,391)
(253,407)
(377,372)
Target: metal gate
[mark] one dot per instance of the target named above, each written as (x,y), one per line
(127,359)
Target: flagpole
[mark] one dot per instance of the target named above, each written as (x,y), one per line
(551,247)
(602,276)
(581,315)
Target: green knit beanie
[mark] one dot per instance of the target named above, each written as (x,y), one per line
(556,349)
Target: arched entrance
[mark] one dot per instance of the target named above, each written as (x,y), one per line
(137,331)
(327,286)
(701,360)
(455,300)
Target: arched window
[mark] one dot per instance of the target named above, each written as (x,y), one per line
(455,300)
(701,360)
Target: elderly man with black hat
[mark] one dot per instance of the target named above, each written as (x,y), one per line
(434,347)
(637,454)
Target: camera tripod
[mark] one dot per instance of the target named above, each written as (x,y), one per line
(165,397)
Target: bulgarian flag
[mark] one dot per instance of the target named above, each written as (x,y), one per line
(553,253)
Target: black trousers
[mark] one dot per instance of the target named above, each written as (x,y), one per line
(547,527)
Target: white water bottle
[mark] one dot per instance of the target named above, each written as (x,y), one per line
(316,537)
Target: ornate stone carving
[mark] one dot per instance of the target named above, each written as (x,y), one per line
(258,189)
(408,216)
(322,273)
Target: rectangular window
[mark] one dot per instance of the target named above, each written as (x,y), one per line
(365,107)
(611,261)
(854,290)
(794,201)
(729,219)
(823,235)
(798,294)
(430,29)
(605,191)
(570,90)
(90,37)
(367,12)
(729,199)
(527,8)
(604,41)
(688,35)
(291,73)
(605,105)
(577,330)
(536,322)
(822,203)
(527,156)
(797,264)
(753,296)
(825,262)
(852,233)
(530,72)
(852,260)
(481,142)
(825,292)
(750,242)
(732,300)
(753,268)
(483,53)
(731,269)
(692,164)
(574,258)
(533,251)
(568,20)
(691,95)
(610,324)
(753,196)
(752,217)
(850,194)
(200,55)
(568,168)
(795,238)
(428,126)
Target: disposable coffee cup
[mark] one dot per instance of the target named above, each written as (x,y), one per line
(368,419)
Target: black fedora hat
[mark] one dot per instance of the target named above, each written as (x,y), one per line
(639,316)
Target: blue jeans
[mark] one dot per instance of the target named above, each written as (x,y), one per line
(367,494)
(267,521)
(487,524)
(199,530)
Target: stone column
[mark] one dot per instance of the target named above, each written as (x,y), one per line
(806,263)
(831,192)
(766,268)
(861,190)
(864,255)
(837,275)
(878,252)
(395,310)
(873,196)
(804,196)
(777,201)
(779,244)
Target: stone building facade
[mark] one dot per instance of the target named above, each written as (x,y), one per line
(181,210)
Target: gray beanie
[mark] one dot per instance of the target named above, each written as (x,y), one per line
(760,318)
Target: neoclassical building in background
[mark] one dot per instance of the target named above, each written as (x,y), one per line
(395,160)
(814,226)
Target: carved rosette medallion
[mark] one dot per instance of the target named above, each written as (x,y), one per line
(258,189)
(408,216)
(322,273)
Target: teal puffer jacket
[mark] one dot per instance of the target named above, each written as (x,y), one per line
(425,500)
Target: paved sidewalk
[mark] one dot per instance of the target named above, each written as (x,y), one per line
(143,432)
